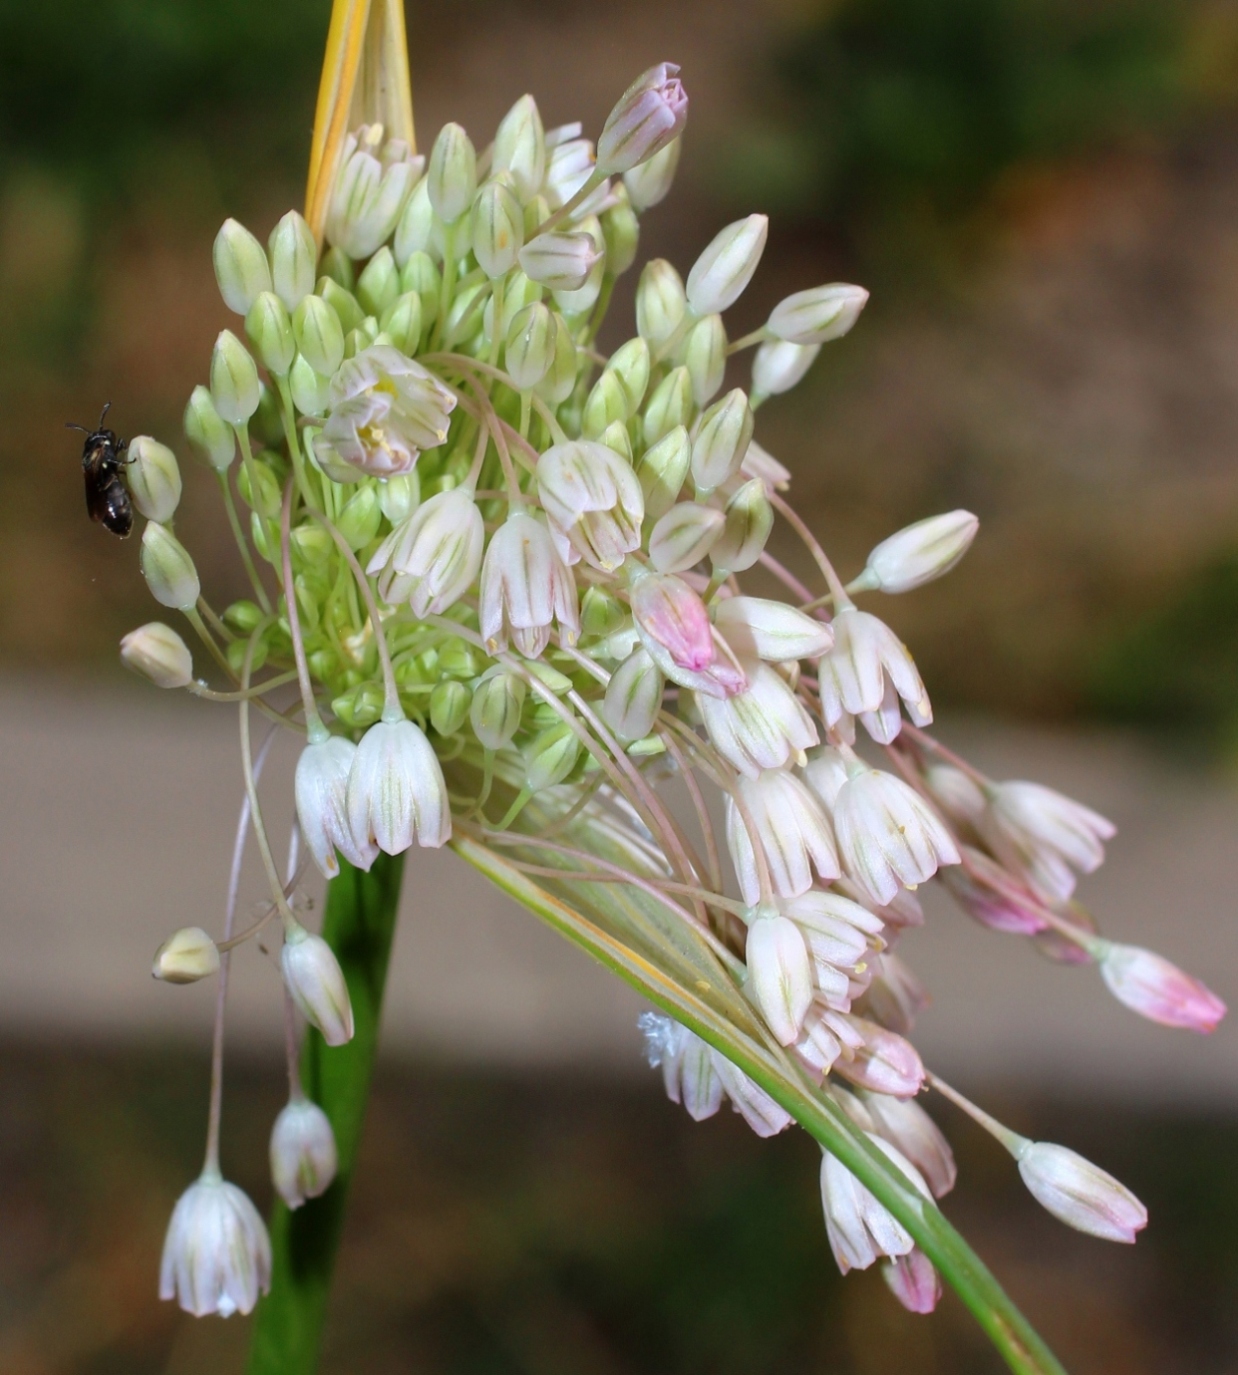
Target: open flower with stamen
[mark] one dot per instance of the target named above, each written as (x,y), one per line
(1045,835)
(860,1229)
(761,727)
(432,559)
(594,502)
(526,589)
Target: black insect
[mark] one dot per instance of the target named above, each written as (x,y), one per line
(107,497)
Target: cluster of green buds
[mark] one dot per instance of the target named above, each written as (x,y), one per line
(503,572)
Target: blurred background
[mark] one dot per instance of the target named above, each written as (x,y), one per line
(1042,196)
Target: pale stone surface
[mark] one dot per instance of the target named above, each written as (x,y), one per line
(118,813)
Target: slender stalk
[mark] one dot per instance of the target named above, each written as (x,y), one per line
(359,925)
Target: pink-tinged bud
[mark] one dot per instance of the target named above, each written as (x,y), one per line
(995,906)
(913,1280)
(761,727)
(1078,1193)
(905,1124)
(303,1154)
(886,1063)
(668,612)
(781,974)
(1158,990)
(525,588)
(895,997)
(316,983)
(396,791)
(818,315)
(649,114)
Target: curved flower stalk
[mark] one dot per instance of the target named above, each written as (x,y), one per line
(509,579)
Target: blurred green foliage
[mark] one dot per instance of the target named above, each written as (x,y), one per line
(891,108)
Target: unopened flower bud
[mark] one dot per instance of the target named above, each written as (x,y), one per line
(683,536)
(818,315)
(217,1254)
(704,355)
(630,364)
(663,471)
(241,266)
(919,553)
(341,300)
(1157,989)
(157,652)
(601,613)
(778,366)
(721,441)
(311,391)
(1079,1193)
(316,982)
(451,180)
(449,706)
(154,480)
(530,346)
(721,273)
(186,956)
(294,259)
(303,1153)
(319,335)
(498,228)
(234,379)
(649,114)
(379,284)
(402,322)
(560,379)
(605,403)
(168,569)
(633,697)
(669,406)
(420,273)
(270,332)
(358,522)
(649,183)
(464,316)
(560,261)
(336,266)
(621,229)
(375,179)
(772,630)
(550,757)
(210,437)
(520,146)
(749,520)
(615,436)
(495,710)
(660,302)
(415,231)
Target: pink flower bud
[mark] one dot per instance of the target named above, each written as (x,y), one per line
(650,113)
(668,612)
(913,1280)
(886,1063)
(1079,1193)
(1159,990)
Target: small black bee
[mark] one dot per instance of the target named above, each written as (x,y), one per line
(107,498)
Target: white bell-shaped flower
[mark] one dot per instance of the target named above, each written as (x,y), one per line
(866,655)
(860,1229)
(321,794)
(1045,835)
(217,1255)
(793,830)
(396,791)
(594,502)
(303,1153)
(780,972)
(760,728)
(526,588)
(432,558)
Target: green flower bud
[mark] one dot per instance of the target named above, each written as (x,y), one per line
(621,230)
(615,436)
(323,663)
(400,496)
(536,213)
(270,332)
(157,652)
(241,267)
(259,488)
(630,364)
(721,273)
(777,366)
(663,471)
(722,439)
(379,284)
(243,617)
(236,655)
(307,594)
(682,537)
(749,520)
(415,231)
(346,306)
(337,267)
(294,258)
(606,402)
(210,437)
(520,146)
(601,613)
(458,661)
(319,335)
(359,707)
(234,379)
(464,317)
(310,389)
(518,291)
(311,544)
(633,697)
(267,427)
(498,228)
(660,302)
(560,380)
(530,346)
(154,479)
(550,757)
(449,706)
(358,522)
(494,713)
(704,355)
(168,569)
(420,273)
(402,322)
(451,180)
(670,405)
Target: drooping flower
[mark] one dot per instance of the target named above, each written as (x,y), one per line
(761,727)
(1045,835)
(594,502)
(526,589)
(793,831)
(866,655)
(217,1255)
(431,560)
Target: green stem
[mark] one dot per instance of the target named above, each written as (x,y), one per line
(359,925)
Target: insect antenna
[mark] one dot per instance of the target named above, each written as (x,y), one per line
(72,425)
(107,406)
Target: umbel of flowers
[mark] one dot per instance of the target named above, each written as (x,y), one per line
(497,586)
